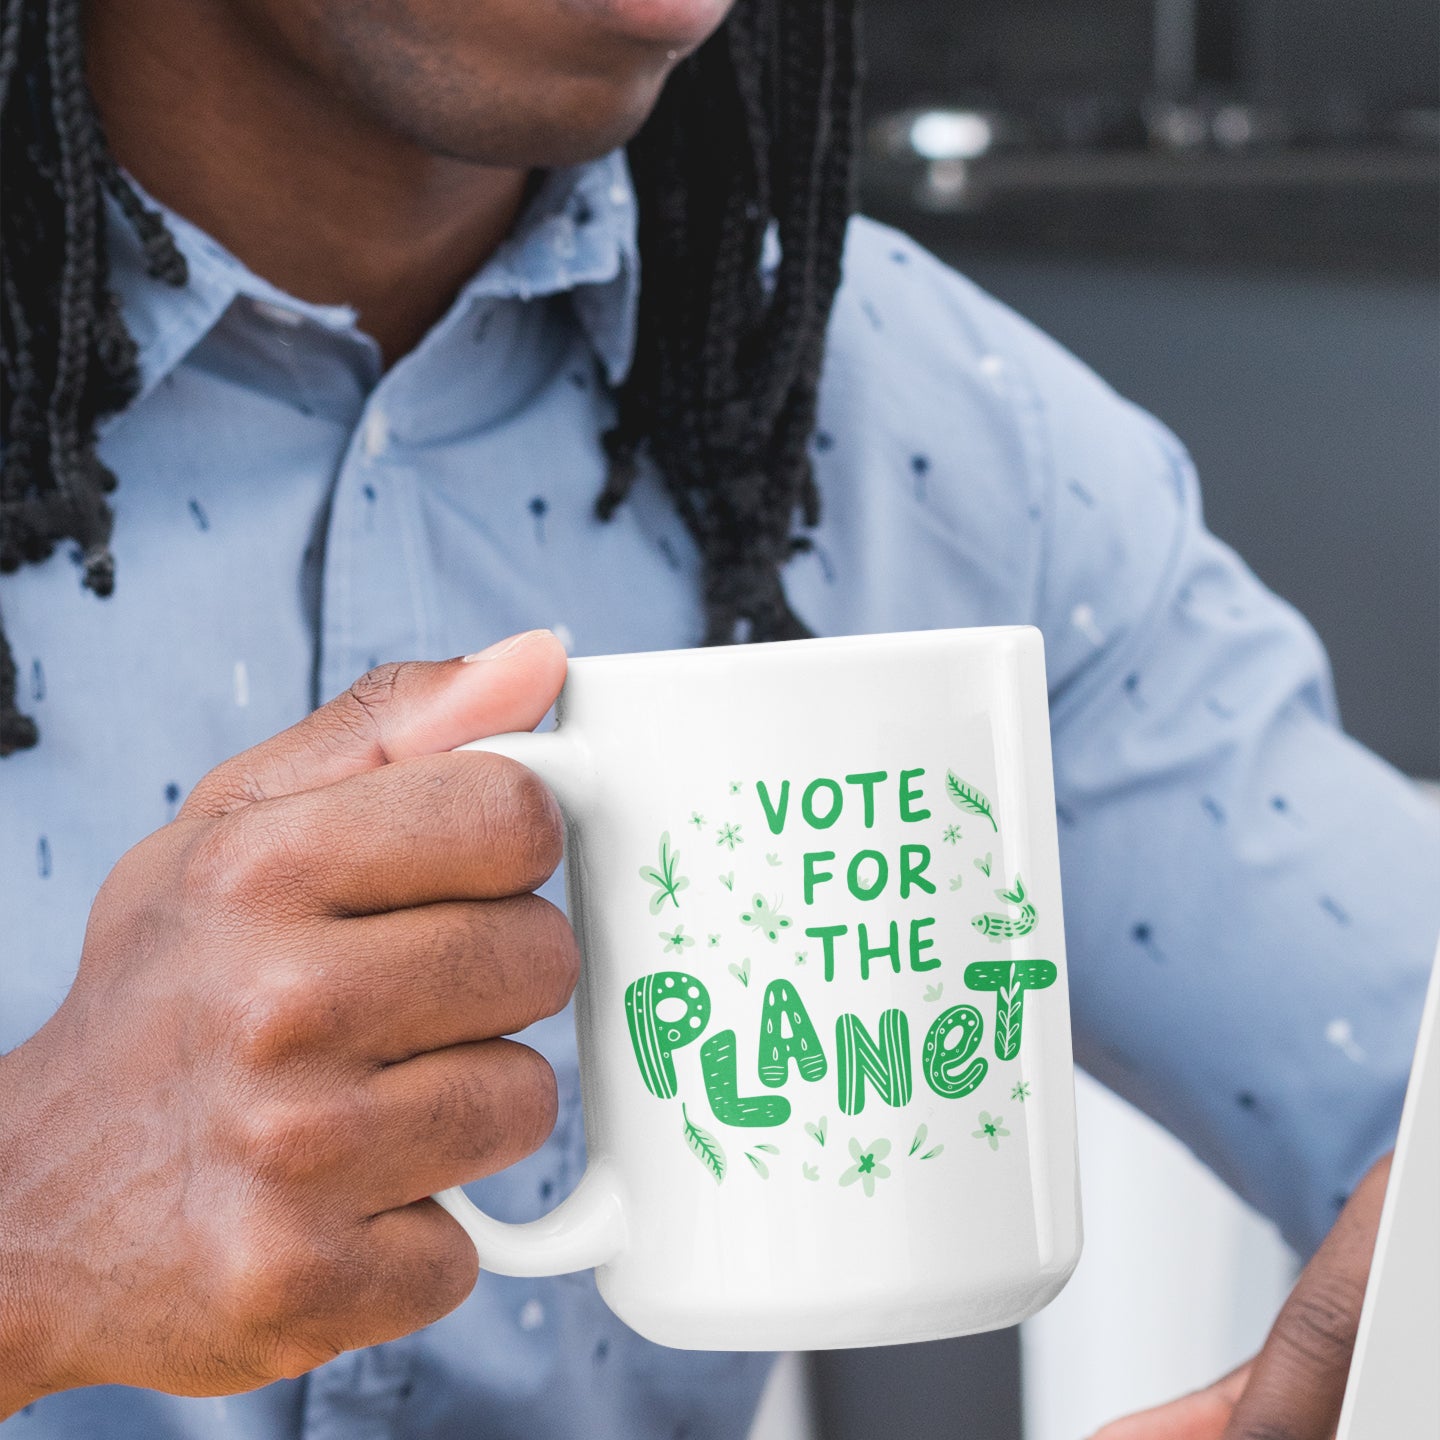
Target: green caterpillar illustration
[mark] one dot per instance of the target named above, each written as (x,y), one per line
(1002,927)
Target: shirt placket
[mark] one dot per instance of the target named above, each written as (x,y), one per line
(374,597)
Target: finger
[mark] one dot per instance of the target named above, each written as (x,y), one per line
(1297,1383)
(468,826)
(451,1116)
(1198,1416)
(441,975)
(392,713)
(382,1279)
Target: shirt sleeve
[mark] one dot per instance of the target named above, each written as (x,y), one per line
(1251,897)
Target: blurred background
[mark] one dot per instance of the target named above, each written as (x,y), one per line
(1231,210)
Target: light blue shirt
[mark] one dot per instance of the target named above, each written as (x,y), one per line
(1251,897)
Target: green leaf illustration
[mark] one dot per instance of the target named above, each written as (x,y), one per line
(932,1153)
(818,1132)
(706,1147)
(966,797)
(934,992)
(809,1171)
(667,881)
(1008,1015)
(919,1139)
(762,1169)
(772,857)
(983,866)
(728,881)
(742,972)
(768,1148)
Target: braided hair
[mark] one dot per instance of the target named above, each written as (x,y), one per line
(753,134)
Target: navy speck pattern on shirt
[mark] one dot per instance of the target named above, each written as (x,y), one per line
(1250,897)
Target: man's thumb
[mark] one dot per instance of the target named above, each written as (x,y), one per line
(395,712)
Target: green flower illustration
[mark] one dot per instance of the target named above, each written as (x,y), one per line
(714,941)
(735,787)
(867,1168)
(990,1129)
(1021,1092)
(677,941)
(801,956)
(952,835)
(729,835)
(697,819)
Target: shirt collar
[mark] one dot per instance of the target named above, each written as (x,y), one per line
(576,235)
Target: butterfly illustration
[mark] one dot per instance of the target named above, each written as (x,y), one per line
(765,916)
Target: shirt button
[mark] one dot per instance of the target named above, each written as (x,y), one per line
(375,435)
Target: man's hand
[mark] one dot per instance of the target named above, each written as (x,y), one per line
(215,1157)
(1293,1389)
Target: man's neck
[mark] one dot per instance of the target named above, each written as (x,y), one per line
(286,176)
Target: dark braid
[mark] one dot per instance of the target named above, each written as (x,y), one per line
(756,128)
(758,124)
(66,358)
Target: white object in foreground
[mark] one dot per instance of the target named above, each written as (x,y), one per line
(1394,1390)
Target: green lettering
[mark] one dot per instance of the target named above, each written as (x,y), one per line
(912,872)
(890,952)
(783,1007)
(826,935)
(813,874)
(1009,979)
(722,1085)
(907,794)
(868,781)
(774,818)
(946,1069)
(882,874)
(654,1039)
(807,803)
(917,945)
(886,1065)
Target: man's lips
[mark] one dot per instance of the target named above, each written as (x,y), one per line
(679,25)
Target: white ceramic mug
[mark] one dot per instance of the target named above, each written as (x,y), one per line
(822,1015)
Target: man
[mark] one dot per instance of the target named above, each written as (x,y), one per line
(369,370)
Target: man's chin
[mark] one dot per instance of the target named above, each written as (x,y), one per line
(589,126)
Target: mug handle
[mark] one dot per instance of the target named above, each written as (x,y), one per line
(588,1227)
